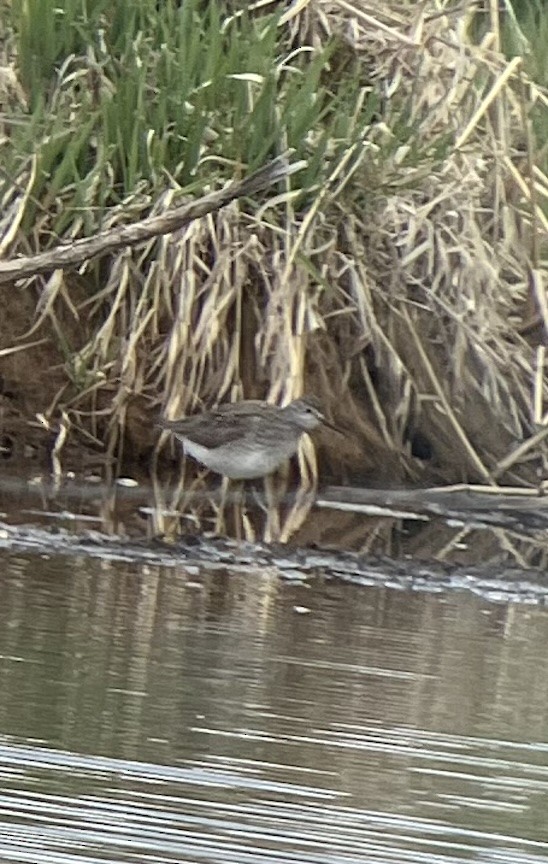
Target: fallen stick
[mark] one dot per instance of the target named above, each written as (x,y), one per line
(70,254)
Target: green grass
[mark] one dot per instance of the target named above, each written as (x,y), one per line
(126,96)
(129,98)
(524,33)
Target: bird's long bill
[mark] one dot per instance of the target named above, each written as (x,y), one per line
(332,426)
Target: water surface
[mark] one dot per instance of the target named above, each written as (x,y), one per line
(161,714)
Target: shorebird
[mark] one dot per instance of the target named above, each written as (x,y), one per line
(249,439)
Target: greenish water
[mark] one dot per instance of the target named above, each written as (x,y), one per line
(153,714)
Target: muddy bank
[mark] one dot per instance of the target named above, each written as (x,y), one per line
(460,527)
(500,584)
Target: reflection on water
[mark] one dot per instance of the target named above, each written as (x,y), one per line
(156,714)
(448,525)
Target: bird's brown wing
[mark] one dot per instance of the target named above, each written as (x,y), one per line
(223,425)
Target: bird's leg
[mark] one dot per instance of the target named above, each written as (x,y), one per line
(243,526)
(220,523)
(272,529)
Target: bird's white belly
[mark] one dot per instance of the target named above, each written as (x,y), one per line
(240,463)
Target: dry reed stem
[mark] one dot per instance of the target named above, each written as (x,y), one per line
(518,452)
(525,189)
(455,541)
(8,236)
(440,391)
(373,22)
(296,9)
(477,488)
(5,352)
(539,385)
